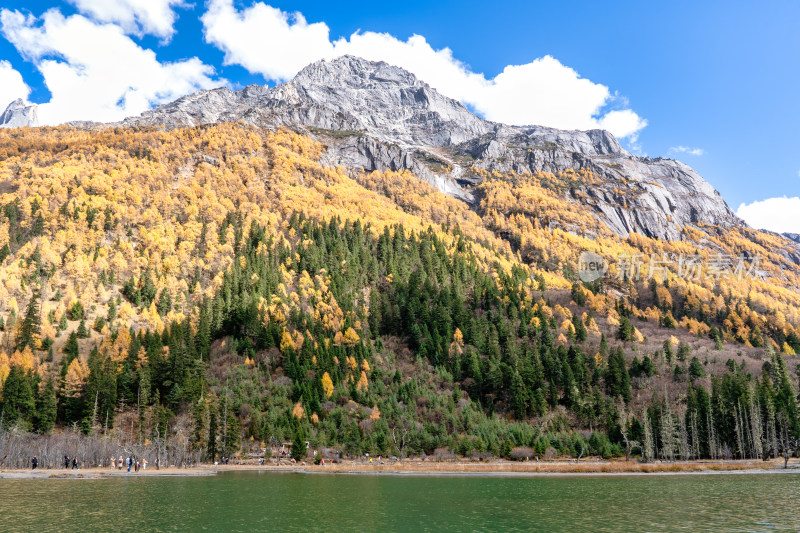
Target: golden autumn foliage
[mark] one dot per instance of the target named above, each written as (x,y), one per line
(327,385)
(351,337)
(287,342)
(25,359)
(363,384)
(107,209)
(111,214)
(338,339)
(457,346)
(5,366)
(75,380)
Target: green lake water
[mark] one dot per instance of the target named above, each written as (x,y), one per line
(261,501)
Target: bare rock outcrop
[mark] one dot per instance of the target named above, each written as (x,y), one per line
(18,114)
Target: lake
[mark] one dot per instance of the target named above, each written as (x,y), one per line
(269,501)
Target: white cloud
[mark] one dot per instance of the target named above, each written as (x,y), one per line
(96,72)
(276,44)
(11,85)
(775,214)
(686,150)
(625,122)
(264,39)
(138,17)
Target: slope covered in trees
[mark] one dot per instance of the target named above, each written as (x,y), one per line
(213,288)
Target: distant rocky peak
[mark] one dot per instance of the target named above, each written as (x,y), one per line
(384,100)
(19,114)
(354,71)
(793,236)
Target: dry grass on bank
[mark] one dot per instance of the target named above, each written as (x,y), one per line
(430,467)
(571,467)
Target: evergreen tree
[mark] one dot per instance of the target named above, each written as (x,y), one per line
(684,350)
(164,302)
(46,408)
(75,311)
(668,352)
(211,448)
(625,331)
(82,332)
(299,450)
(30,327)
(71,348)
(618,380)
(696,369)
(112,311)
(18,402)
(578,293)
(785,395)
(519,400)
(101,389)
(148,290)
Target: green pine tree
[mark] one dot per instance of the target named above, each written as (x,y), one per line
(46,408)
(211,448)
(112,311)
(299,445)
(625,332)
(31,325)
(18,402)
(82,332)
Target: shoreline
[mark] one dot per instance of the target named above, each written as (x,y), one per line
(430,468)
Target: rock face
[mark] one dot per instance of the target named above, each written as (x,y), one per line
(376,116)
(18,114)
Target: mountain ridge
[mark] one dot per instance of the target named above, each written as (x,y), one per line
(375,116)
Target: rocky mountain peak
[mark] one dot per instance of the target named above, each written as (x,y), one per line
(385,101)
(376,116)
(353,70)
(18,114)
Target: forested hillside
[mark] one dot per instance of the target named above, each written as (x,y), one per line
(214,288)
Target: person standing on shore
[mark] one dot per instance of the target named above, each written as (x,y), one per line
(120,462)
(113,463)
(34,463)
(128,461)
(144,464)
(74,463)
(66,462)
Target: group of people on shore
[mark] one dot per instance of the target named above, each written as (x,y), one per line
(67,462)
(130,462)
(127,462)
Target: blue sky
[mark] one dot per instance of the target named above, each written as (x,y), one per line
(713,84)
